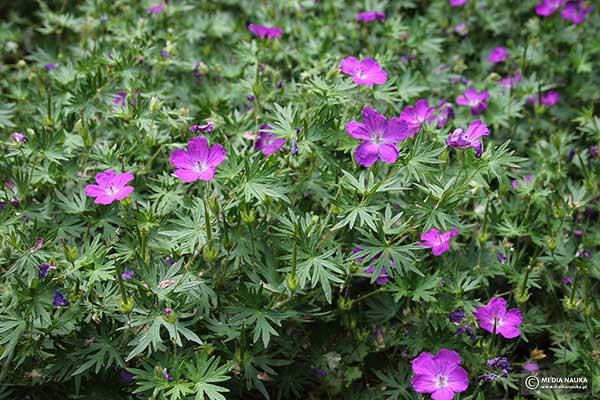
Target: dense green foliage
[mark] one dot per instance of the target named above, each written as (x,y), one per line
(265,297)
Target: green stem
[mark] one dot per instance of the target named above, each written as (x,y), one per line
(206,214)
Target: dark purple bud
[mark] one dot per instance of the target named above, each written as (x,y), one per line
(44,269)
(50,66)
(294,147)
(571,155)
(594,151)
(2,205)
(167,311)
(251,97)
(59,300)
(165,54)
(567,280)
(320,373)
(261,67)
(488,377)
(26,217)
(167,375)
(470,333)
(127,274)
(125,376)
(208,127)
(15,203)
(279,84)
(169,261)
(502,258)
(457,316)
(578,232)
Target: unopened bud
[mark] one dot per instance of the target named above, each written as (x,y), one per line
(292,282)
(126,305)
(210,253)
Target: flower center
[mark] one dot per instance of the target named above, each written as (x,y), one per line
(200,166)
(441,380)
(377,137)
(360,73)
(111,190)
(498,321)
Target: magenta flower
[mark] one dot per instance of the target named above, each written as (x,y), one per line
(120,98)
(458,3)
(531,366)
(267,142)
(59,300)
(199,161)
(365,72)
(127,274)
(417,116)
(369,16)
(471,138)
(157,9)
(19,137)
(379,136)
(498,55)
(550,99)
(441,375)
(575,11)
(494,318)
(548,7)
(110,187)
(437,241)
(474,100)
(461,29)
(269,32)
(510,82)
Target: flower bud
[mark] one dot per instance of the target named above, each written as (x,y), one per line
(155,104)
(345,303)
(248,215)
(71,253)
(210,253)
(551,243)
(169,315)
(483,236)
(522,297)
(213,204)
(126,305)
(292,282)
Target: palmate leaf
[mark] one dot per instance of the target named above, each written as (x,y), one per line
(501,162)
(7,111)
(365,214)
(260,180)
(204,372)
(101,353)
(322,268)
(189,231)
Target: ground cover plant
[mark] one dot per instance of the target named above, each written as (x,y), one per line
(298,199)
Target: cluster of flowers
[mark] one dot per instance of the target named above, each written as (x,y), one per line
(574,11)
(441,375)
